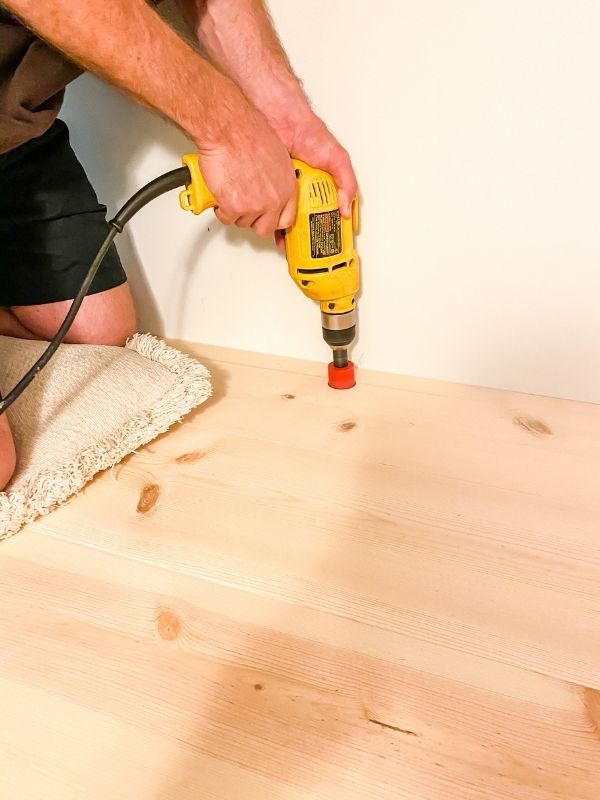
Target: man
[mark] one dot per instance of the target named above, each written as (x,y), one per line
(244,109)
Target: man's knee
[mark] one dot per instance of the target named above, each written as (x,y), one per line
(7,453)
(104,318)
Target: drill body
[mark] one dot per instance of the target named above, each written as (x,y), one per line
(320,251)
(322,259)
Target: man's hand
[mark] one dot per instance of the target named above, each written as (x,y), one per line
(250,174)
(310,140)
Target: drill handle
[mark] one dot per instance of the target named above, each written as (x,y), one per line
(196,197)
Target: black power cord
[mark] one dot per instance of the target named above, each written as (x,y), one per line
(164,183)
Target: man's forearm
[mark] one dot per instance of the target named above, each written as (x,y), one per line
(239,37)
(129,45)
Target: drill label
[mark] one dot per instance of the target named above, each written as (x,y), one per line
(325,234)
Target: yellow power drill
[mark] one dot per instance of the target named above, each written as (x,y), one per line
(319,246)
(321,255)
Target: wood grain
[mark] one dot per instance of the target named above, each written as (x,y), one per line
(299,593)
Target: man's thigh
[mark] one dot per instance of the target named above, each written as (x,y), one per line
(51,226)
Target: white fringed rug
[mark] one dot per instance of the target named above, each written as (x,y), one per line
(87,409)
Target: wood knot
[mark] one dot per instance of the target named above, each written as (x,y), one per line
(532,425)
(148,498)
(189,458)
(289,396)
(258,687)
(591,701)
(168,625)
(347,425)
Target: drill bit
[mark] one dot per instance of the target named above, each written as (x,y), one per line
(340,357)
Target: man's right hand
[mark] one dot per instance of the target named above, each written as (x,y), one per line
(250,173)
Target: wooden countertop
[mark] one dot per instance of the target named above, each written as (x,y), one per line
(392,592)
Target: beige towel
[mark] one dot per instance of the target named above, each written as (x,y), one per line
(87,409)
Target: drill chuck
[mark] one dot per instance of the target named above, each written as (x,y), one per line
(339,329)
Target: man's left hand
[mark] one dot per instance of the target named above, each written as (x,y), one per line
(311,141)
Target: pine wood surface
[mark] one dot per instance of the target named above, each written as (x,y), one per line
(391,592)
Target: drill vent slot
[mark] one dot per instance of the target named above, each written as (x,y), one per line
(318,270)
(321,193)
(312,271)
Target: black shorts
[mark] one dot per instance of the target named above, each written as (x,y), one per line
(51,224)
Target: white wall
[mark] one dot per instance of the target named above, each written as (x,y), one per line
(475,130)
